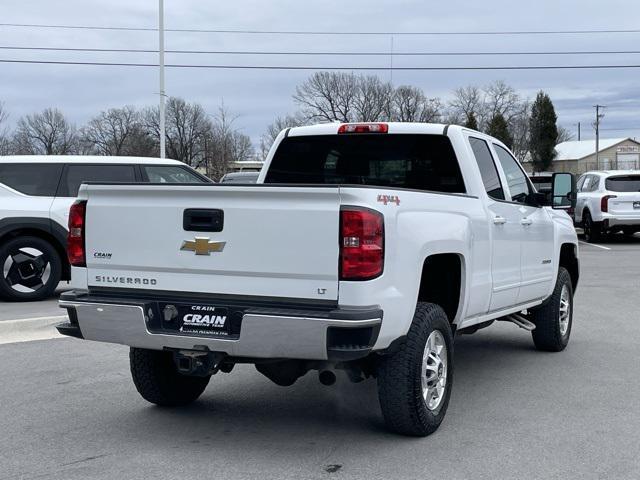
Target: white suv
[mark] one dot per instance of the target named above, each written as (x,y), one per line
(35,195)
(608,202)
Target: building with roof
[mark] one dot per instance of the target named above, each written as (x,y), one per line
(580,156)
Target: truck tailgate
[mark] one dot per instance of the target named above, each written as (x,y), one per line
(271,240)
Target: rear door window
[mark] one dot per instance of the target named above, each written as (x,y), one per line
(626,183)
(75,175)
(38,179)
(488,170)
(421,162)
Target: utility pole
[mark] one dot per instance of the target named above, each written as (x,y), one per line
(578,131)
(598,117)
(162,95)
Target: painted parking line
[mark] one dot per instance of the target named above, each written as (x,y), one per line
(29,329)
(594,245)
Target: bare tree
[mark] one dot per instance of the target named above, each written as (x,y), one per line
(5,144)
(274,129)
(187,127)
(564,135)
(328,96)
(499,99)
(466,102)
(113,132)
(409,104)
(47,133)
(372,101)
(519,128)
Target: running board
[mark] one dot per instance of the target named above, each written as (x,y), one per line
(520,321)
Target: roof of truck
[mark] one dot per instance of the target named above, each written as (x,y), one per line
(86,159)
(394,127)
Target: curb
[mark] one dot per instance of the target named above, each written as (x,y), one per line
(27,329)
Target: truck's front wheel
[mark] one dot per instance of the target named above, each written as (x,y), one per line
(414,383)
(158,381)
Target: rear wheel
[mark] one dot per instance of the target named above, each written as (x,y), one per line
(554,318)
(158,381)
(30,269)
(592,230)
(414,384)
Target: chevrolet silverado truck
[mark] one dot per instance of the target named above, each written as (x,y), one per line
(363,248)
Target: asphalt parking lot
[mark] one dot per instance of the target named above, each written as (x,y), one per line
(69,410)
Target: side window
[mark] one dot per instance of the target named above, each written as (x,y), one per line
(488,169)
(38,179)
(586,183)
(75,175)
(516,178)
(170,174)
(595,181)
(580,182)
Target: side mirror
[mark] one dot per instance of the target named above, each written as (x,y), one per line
(563,191)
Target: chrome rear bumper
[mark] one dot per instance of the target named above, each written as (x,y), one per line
(285,334)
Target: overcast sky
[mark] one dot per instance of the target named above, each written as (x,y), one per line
(257,96)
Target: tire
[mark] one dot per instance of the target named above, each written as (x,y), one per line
(30,269)
(629,231)
(552,333)
(158,381)
(592,230)
(400,375)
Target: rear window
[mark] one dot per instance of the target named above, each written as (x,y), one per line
(421,162)
(38,179)
(627,183)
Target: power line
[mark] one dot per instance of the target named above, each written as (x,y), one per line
(295,67)
(321,32)
(325,53)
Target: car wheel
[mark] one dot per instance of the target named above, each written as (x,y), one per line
(592,230)
(414,383)
(553,320)
(30,269)
(157,379)
(628,231)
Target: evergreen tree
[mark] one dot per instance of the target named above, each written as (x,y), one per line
(499,129)
(543,132)
(471,122)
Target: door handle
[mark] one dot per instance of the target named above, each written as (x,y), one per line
(499,220)
(526,221)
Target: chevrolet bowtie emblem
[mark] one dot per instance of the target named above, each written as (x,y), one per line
(202,246)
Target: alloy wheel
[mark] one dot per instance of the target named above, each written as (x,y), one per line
(26,270)
(434,370)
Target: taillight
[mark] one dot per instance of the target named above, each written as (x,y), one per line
(604,203)
(361,244)
(75,239)
(363,128)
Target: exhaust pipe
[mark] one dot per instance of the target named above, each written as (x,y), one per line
(327,377)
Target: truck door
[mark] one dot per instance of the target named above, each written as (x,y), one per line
(504,223)
(535,231)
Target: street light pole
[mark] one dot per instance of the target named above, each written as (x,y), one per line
(162,95)
(598,117)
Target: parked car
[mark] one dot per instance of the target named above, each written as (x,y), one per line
(542,181)
(35,195)
(389,238)
(240,177)
(608,202)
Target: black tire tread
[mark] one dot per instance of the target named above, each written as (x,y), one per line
(158,381)
(546,335)
(400,397)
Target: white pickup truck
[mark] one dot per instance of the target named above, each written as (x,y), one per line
(363,248)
